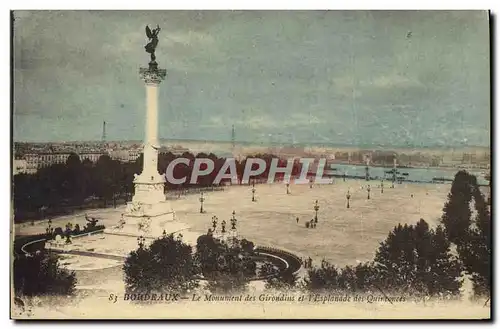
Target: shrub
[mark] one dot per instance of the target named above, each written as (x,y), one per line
(166,266)
(413,259)
(40,274)
(324,278)
(277,280)
(467,220)
(456,216)
(418,259)
(226,267)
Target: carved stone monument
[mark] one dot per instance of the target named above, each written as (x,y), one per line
(149,213)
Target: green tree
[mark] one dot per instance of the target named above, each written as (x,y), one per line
(475,248)
(324,278)
(228,267)
(456,212)
(73,178)
(467,220)
(107,173)
(276,279)
(413,259)
(166,266)
(419,259)
(327,277)
(40,274)
(360,278)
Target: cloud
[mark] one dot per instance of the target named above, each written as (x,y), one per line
(188,38)
(263,72)
(393,80)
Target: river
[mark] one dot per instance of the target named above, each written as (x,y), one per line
(423,175)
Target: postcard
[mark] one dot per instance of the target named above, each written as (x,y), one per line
(251,165)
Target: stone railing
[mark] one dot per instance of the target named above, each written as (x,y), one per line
(195,190)
(293,263)
(23,248)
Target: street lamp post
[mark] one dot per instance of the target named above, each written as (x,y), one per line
(223,226)
(214,223)
(140,241)
(253,192)
(233,221)
(348,197)
(368,190)
(287,188)
(202,199)
(316,208)
(49,229)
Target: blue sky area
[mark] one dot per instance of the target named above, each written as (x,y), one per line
(353,78)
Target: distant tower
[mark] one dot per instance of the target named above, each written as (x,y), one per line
(394,170)
(367,169)
(233,138)
(103,131)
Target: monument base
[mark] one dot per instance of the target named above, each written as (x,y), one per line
(147,220)
(148,227)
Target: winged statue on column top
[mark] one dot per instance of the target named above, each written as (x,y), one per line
(153,41)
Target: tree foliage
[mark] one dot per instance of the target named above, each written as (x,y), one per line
(227,267)
(276,279)
(419,259)
(169,266)
(40,274)
(412,259)
(467,220)
(456,216)
(166,266)
(55,189)
(328,277)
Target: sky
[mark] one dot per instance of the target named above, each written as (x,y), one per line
(387,78)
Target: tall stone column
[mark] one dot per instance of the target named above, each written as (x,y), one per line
(149,214)
(149,185)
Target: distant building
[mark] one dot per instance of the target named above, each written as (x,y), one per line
(48,159)
(125,155)
(35,161)
(177,149)
(134,154)
(92,156)
(32,162)
(20,166)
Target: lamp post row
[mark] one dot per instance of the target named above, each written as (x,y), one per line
(223,224)
(368,190)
